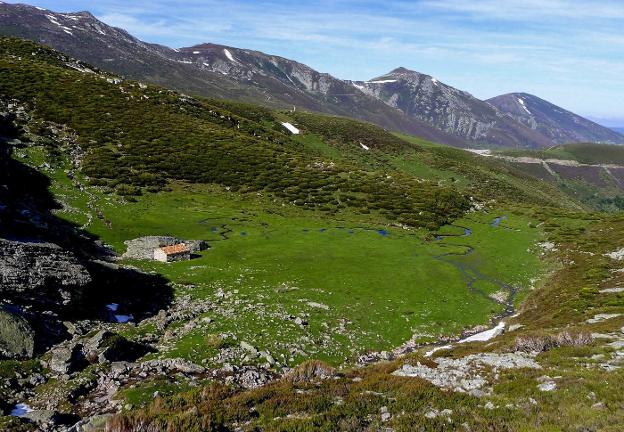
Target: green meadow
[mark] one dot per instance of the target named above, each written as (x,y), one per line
(371,286)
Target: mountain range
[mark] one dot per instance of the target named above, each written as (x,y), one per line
(402,100)
(327,273)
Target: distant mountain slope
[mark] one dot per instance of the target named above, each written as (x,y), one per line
(556,123)
(619,130)
(207,70)
(451,110)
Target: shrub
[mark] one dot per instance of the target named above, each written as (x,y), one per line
(541,343)
(309,371)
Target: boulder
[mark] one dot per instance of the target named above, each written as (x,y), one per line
(67,358)
(249,348)
(17,339)
(42,417)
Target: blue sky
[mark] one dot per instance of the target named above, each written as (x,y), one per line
(570,52)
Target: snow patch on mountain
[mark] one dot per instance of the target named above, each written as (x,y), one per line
(229,55)
(486,335)
(382,81)
(53,20)
(291,128)
(524,106)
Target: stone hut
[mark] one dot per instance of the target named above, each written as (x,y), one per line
(177,252)
(143,248)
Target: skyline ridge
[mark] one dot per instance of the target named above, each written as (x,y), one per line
(465,44)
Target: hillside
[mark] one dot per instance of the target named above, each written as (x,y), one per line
(205,69)
(326,267)
(591,173)
(557,124)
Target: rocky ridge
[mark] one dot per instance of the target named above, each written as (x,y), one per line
(559,125)
(449,109)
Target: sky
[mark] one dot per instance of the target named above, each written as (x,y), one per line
(570,52)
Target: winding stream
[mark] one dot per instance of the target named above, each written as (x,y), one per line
(472,274)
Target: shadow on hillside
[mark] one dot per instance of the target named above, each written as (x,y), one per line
(26,215)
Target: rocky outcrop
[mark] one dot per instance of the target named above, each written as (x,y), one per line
(102,347)
(30,269)
(17,339)
(468,374)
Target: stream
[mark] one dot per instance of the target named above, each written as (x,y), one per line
(472,274)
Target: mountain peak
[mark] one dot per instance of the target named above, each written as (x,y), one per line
(401,70)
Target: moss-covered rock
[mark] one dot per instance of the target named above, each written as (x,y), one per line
(16,335)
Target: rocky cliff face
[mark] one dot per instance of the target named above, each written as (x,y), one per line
(557,124)
(453,111)
(33,271)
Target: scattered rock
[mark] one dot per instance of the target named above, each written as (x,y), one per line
(300,321)
(467,374)
(611,290)
(385,415)
(249,348)
(317,305)
(617,255)
(619,344)
(250,378)
(602,317)
(547,384)
(500,296)
(514,327)
(94,424)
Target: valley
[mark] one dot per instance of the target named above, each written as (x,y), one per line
(342,275)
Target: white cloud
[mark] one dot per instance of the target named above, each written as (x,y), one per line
(531,9)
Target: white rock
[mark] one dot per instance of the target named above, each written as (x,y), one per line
(617,255)
(611,290)
(602,317)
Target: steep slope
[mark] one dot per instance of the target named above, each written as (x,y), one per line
(152,135)
(556,123)
(451,110)
(206,70)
